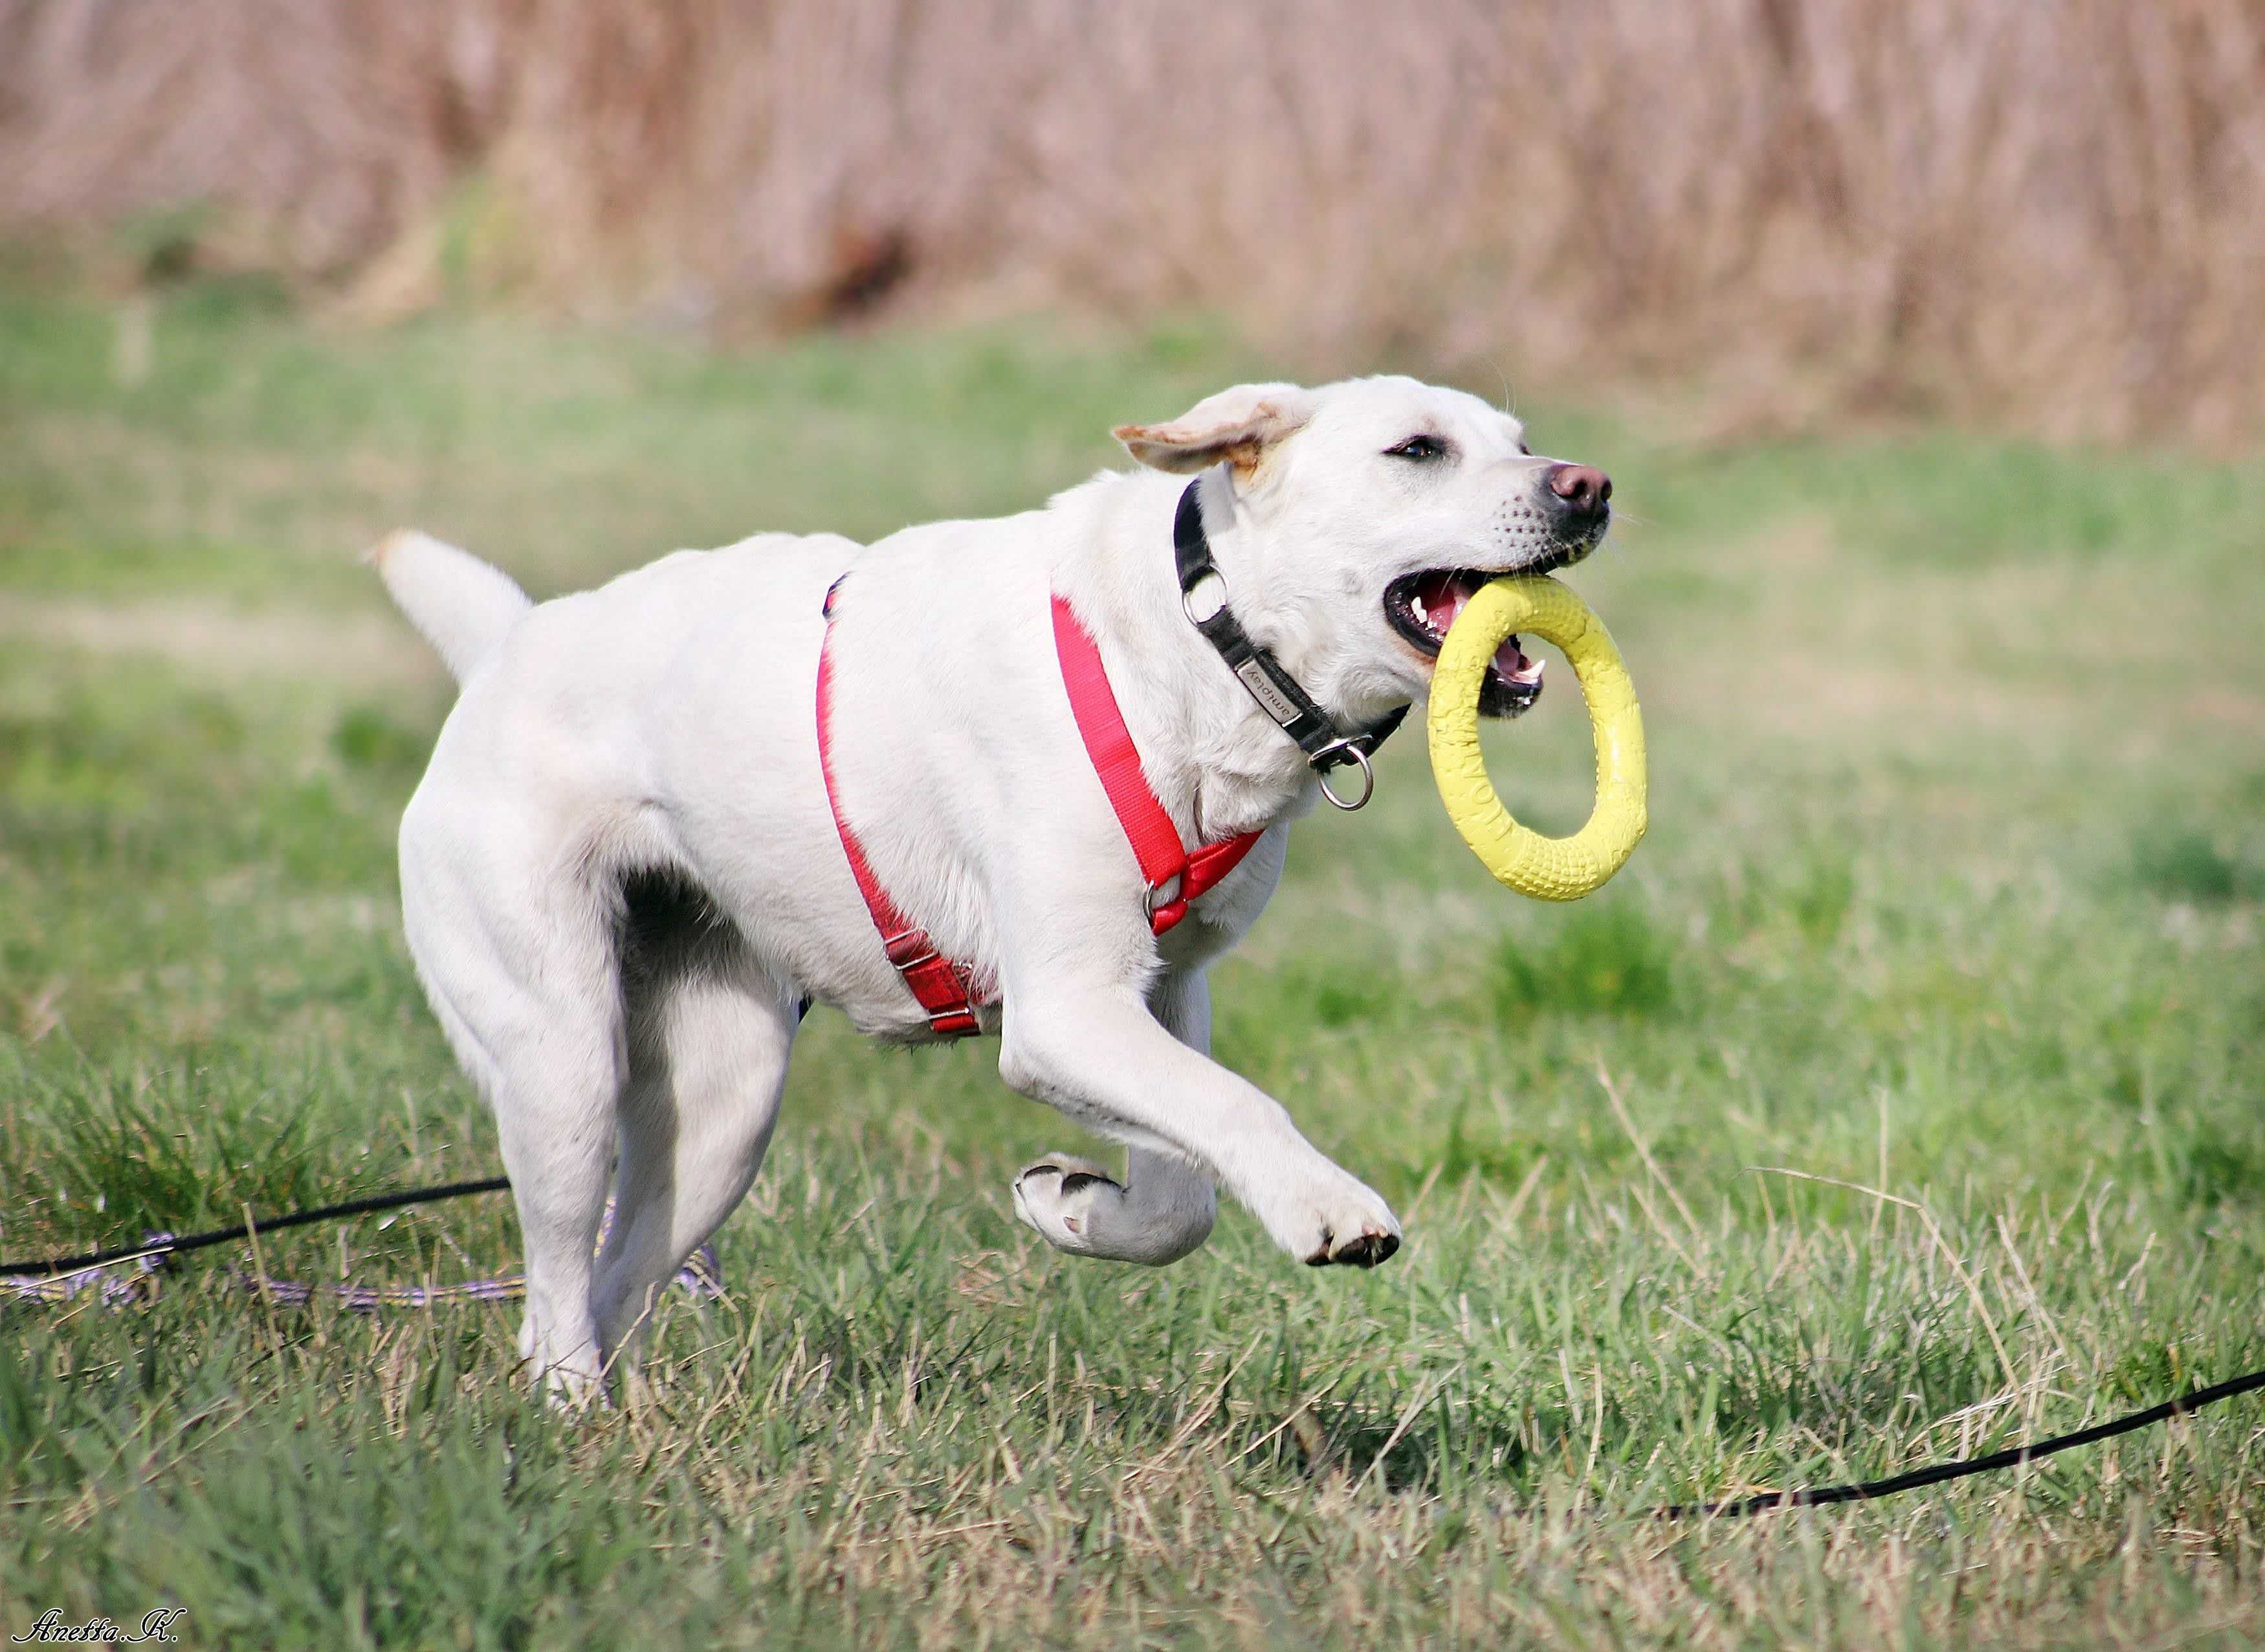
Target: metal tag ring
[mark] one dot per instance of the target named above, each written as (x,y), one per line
(1367,778)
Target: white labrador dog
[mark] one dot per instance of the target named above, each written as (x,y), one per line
(623,884)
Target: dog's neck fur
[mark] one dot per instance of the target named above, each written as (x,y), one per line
(1220,764)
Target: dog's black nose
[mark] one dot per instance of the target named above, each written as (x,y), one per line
(1584,489)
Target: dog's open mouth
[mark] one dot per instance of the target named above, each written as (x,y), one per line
(1421,605)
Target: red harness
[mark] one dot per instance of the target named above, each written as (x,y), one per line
(946,989)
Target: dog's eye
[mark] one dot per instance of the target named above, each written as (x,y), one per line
(1418,448)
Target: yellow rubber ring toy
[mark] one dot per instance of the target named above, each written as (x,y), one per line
(1546,868)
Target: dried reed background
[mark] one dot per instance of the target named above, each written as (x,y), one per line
(2048,211)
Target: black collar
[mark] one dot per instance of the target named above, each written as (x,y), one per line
(1255,668)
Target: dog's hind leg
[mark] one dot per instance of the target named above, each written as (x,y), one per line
(1165,1207)
(522,973)
(709,1037)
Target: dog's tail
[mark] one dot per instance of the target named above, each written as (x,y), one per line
(463,607)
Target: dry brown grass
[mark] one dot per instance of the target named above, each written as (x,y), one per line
(2051,210)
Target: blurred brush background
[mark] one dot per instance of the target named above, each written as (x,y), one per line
(2049,213)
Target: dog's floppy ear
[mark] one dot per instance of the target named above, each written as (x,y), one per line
(1237,425)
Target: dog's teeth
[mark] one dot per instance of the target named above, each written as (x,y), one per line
(1421,613)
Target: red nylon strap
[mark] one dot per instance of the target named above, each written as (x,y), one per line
(1155,840)
(940,984)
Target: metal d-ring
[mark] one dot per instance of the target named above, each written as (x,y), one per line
(1367,776)
(1153,897)
(1209,577)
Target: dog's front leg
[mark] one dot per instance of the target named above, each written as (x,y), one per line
(1165,1207)
(1098,1055)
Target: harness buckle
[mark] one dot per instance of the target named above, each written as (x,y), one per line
(910,949)
(1336,754)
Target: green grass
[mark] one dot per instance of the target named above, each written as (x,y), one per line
(1952,891)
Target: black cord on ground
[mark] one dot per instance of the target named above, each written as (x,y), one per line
(2013,1457)
(57,1265)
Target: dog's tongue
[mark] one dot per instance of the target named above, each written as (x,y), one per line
(1443,600)
(1443,597)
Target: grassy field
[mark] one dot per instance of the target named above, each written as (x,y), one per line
(1952,892)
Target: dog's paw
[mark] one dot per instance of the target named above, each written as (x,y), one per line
(1056,1196)
(1364,1249)
(1344,1225)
